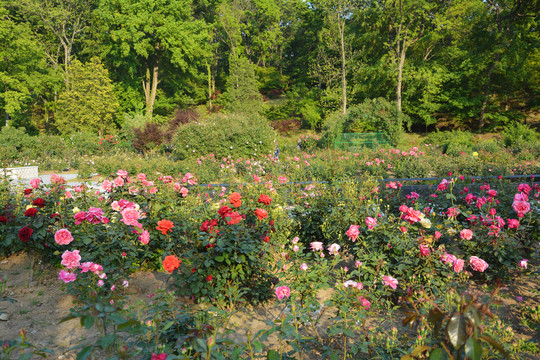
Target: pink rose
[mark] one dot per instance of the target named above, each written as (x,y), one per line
(448,258)
(424,250)
(524,188)
(184,191)
(107,185)
(371,222)
(458,265)
(334,249)
(145,237)
(100,283)
(118,182)
(437,235)
(63,237)
(130,216)
(365,302)
(513,224)
(79,217)
(390,281)
(35,183)
(67,276)
(523,263)
(303,266)
(94,215)
(317,246)
(71,259)
(141,177)
(478,264)
(282,291)
(353,232)
(122,173)
(521,207)
(466,234)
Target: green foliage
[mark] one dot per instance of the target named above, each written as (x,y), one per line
(455,140)
(334,125)
(89,103)
(242,94)
(16,144)
(248,136)
(376,115)
(518,133)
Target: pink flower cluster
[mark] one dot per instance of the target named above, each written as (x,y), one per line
(71,260)
(410,215)
(93,215)
(283,291)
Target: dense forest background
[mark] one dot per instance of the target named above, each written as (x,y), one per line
(101,65)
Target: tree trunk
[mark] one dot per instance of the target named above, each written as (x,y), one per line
(209,86)
(343,66)
(400,76)
(150,84)
(487,90)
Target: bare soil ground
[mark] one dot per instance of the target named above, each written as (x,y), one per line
(40,304)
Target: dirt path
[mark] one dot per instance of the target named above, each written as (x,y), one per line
(41,304)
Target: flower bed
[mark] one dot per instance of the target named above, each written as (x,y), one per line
(368,242)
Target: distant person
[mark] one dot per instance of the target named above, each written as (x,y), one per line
(276,153)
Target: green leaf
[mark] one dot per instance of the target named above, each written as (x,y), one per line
(107,340)
(88,321)
(219,258)
(420,349)
(473,349)
(437,354)
(272,355)
(456,331)
(168,325)
(85,353)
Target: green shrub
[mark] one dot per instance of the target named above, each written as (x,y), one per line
(516,133)
(376,115)
(85,143)
(334,124)
(235,135)
(456,140)
(17,144)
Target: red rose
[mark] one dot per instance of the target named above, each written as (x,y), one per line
(264,199)
(234,218)
(209,278)
(171,263)
(261,214)
(266,239)
(224,211)
(25,233)
(53,215)
(27,191)
(30,212)
(234,199)
(3,219)
(39,202)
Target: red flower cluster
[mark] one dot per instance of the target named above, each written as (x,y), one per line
(39,202)
(3,219)
(209,225)
(264,199)
(30,212)
(25,233)
(234,199)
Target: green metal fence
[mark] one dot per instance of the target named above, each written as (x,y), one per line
(356,141)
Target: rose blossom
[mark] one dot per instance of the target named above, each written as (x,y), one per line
(466,234)
(145,237)
(513,224)
(282,291)
(478,264)
(296,248)
(35,183)
(390,281)
(63,237)
(458,265)
(334,249)
(71,259)
(304,266)
(67,276)
(353,232)
(130,217)
(523,263)
(316,246)
(261,214)
(448,258)
(365,302)
(424,250)
(371,222)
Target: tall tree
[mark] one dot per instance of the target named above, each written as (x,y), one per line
(21,65)
(150,37)
(57,24)
(337,14)
(89,103)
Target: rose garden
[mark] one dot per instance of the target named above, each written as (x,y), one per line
(345,250)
